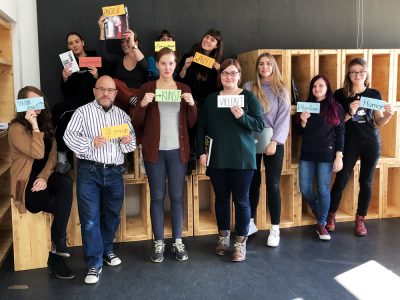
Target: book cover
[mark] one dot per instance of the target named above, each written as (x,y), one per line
(208,146)
(68,60)
(116,26)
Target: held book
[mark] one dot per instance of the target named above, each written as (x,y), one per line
(116,25)
(69,62)
(208,146)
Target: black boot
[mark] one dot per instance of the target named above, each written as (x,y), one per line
(58,267)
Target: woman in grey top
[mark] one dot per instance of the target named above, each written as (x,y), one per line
(274,98)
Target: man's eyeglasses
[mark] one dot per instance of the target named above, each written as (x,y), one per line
(104,90)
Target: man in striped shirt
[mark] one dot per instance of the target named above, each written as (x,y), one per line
(100,186)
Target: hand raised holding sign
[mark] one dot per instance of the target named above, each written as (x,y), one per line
(216,66)
(148,97)
(188,98)
(31,117)
(304,118)
(99,141)
(388,111)
(94,72)
(237,111)
(126,139)
(354,107)
(66,72)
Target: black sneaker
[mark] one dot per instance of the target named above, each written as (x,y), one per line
(157,255)
(58,267)
(111,259)
(61,249)
(93,275)
(178,248)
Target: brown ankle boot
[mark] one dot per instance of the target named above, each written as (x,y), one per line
(360,228)
(223,242)
(331,222)
(239,248)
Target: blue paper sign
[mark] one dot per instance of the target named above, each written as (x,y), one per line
(29,103)
(372,103)
(310,107)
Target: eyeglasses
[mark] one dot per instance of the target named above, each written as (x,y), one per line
(232,74)
(361,73)
(104,90)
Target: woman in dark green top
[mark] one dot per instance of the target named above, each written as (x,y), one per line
(233,153)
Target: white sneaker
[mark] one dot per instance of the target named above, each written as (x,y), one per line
(273,238)
(252,228)
(92,275)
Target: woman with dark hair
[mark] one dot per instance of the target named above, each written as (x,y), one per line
(77,89)
(321,150)
(232,158)
(273,95)
(362,141)
(164,126)
(34,185)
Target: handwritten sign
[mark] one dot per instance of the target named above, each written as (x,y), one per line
(168,95)
(158,45)
(68,60)
(372,103)
(203,60)
(86,61)
(29,103)
(230,100)
(310,107)
(115,10)
(114,132)
(3,126)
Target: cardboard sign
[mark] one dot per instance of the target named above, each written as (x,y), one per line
(230,100)
(29,103)
(168,95)
(3,126)
(114,132)
(85,62)
(203,60)
(372,103)
(68,60)
(115,10)
(158,45)
(310,107)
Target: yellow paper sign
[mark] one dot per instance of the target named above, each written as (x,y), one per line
(204,60)
(115,10)
(158,45)
(114,132)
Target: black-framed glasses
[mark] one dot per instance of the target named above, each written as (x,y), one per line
(361,73)
(232,74)
(104,90)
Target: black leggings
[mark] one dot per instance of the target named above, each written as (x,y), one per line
(55,199)
(273,169)
(369,154)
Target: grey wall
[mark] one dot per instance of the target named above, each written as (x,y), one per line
(245,25)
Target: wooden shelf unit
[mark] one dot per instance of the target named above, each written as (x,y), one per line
(391,205)
(204,221)
(381,70)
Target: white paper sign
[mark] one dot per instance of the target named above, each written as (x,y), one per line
(230,100)
(68,60)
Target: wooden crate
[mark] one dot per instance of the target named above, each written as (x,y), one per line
(328,63)
(381,71)
(204,221)
(302,70)
(5,212)
(295,143)
(390,140)
(391,203)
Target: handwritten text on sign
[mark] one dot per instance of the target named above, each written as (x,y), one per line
(310,107)
(203,60)
(230,100)
(168,95)
(372,103)
(114,132)
(115,10)
(86,61)
(29,103)
(158,45)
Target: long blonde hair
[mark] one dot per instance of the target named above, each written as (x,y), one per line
(347,84)
(277,85)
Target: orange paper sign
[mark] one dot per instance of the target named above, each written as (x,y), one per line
(85,62)
(204,60)
(115,10)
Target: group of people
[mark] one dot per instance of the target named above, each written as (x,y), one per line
(172,135)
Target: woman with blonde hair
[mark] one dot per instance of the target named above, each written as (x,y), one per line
(274,99)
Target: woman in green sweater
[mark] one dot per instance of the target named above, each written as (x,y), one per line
(229,118)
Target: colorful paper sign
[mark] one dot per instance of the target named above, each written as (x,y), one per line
(372,103)
(230,100)
(3,126)
(114,132)
(115,10)
(203,60)
(68,60)
(86,61)
(310,107)
(29,103)
(158,45)
(168,95)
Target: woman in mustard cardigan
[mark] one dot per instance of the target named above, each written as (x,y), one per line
(34,185)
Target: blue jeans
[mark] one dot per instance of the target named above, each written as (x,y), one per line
(236,182)
(100,193)
(168,165)
(319,201)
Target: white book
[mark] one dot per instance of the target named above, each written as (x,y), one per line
(208,145)
(68,60)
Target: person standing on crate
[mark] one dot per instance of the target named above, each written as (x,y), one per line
(34,184)
(321,150)
(166,150)
(230,124)
(274,99)
(99,185)
(362,140)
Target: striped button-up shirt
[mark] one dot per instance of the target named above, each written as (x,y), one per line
(86,124)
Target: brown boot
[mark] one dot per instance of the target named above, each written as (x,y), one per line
(331,222)
(223,242)
(239,248)
(360,228)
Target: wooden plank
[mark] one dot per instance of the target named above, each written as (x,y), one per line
(381,69)
(328,63)
(391,206)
